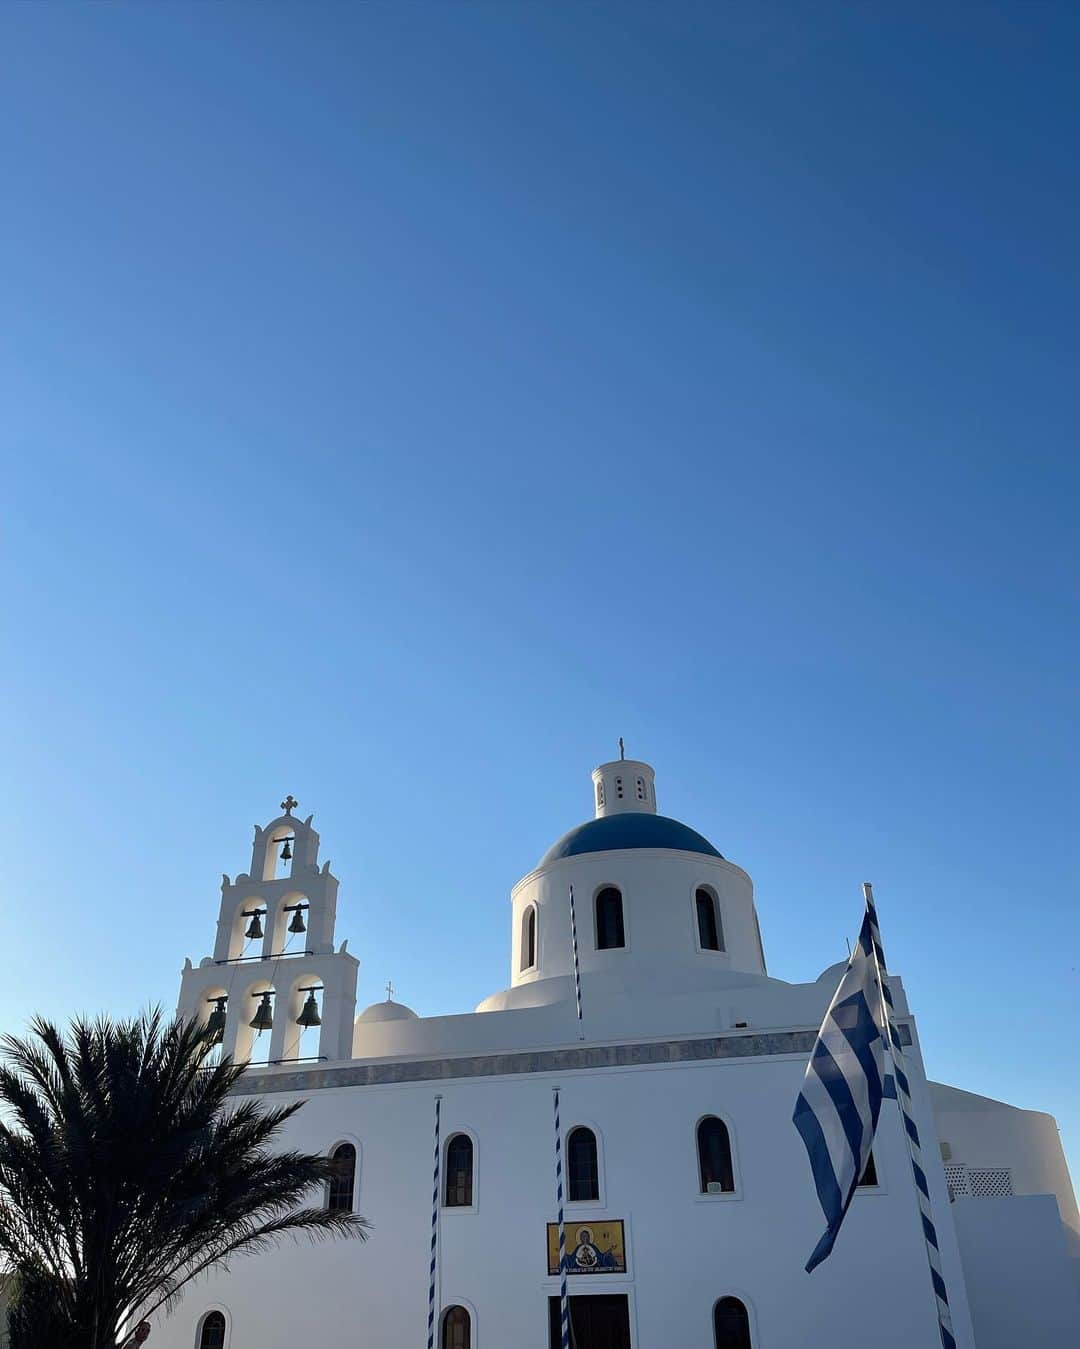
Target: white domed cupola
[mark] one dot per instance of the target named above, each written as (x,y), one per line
(658,907)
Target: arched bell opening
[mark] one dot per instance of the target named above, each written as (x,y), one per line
(214,1013)
(256,1012)
(303,1006)
(280,843)
(248,928)
(289,933)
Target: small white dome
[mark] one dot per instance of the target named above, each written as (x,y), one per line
(387,1011)
(833,974)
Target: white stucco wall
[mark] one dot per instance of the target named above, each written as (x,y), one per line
(1020,1286)
(980,1132)
(685,1250)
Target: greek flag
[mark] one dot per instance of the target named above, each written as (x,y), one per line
(838,1107)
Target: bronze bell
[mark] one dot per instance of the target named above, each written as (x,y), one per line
(286,852)
(296,923)
(309,1014)
(215,1022)
(255,927)
(264,1014)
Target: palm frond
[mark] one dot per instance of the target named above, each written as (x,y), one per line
(128,1169)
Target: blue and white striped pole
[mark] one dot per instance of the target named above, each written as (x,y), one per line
(434,1231)
(564,1301)
(573,947)
(911,1132)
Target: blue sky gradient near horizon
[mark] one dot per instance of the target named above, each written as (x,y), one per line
(403,401)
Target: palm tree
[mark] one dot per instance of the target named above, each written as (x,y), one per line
(127,1170)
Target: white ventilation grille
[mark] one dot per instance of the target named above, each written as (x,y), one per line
(978,1182)
(990,1182)
(956,1178)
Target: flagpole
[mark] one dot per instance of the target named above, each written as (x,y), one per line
(577,970)
(564,1300)
(434,1230)
(895,1052)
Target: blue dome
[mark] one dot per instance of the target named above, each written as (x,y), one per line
(631,830)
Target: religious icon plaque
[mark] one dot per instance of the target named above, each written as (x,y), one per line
(591,1248)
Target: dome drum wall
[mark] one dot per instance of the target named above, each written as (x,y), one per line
(662,946)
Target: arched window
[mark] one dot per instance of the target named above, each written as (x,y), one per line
(212,1331)
(609,920)
(714,1156)
(456,1331)
(731,1324)
(582,1167)
(339,1193)
(710,932)
(528,938)
(459,1175)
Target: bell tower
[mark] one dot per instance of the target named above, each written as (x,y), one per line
(275,988)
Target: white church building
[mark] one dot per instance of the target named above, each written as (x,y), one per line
(690,1207)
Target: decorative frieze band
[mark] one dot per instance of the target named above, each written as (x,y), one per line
(537,1061)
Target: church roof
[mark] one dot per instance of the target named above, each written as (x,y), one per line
(629,830)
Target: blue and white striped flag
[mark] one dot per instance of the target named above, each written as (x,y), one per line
(838,1107)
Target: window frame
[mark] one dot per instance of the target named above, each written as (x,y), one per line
(531,908)
(600,1201)
(619,1286)
(718,919)
(205,1315)
(600,889)
(474,1206)
(725,1196)
(879,1172)
(470,1312)
(354,1144)
(748,1306)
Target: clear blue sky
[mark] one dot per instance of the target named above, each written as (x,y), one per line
(403,401)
